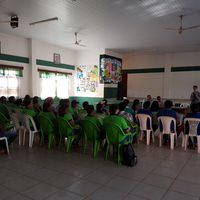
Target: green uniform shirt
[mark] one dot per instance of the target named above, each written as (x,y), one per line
(29,112)
(68,117)
(94,120)
(120,121)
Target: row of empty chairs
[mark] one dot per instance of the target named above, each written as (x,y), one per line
(145,123)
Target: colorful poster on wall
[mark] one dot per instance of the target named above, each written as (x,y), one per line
(87,78)
(110,69)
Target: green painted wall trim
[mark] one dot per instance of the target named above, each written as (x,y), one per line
(91,100)
(52,64)
(110,92)
(13,58)
(185,69)
(145,70)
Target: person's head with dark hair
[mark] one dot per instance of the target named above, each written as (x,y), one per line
(136,105)
(27,96)
(155,106)
(104,102)
(90,110)
(35,100)
(11,99)
(63,109)
(194,108)
(126,102)
(195,88)
(74,104)
(64,102)
(3,99)
(99,108)
(113,109)
(28,104)
(158,98)
(85,105)
(168,104)
(146,104)
(47,104)
(149,98)
(18,102)
(121,106)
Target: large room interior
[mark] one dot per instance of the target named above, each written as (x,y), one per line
(60,49)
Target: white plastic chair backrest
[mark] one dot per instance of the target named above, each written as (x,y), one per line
(15,120)
(28,121)
(185,105)
(193,125)
(166,123)
(143,121)
(19,114)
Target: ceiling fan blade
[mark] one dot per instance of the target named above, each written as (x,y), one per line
(69,44)
(45,20)
(172,29)
(191,27)
(82,45)
(5,21)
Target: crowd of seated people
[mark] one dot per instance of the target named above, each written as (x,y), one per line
(122,114)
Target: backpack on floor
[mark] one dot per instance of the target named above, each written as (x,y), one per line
(128,155)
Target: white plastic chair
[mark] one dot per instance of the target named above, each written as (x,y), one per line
(143,118)
(193,131)
(27,122)
(6,141)
(19,128)
(184,105)
(166,124)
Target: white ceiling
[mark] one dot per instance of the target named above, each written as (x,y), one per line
(120,25)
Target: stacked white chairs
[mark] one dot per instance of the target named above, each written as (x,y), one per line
(166,129)
(143,119)
(185,105)
(193,131)
(30,127)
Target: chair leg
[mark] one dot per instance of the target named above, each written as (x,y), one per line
(198,143)
(183,140)
(172,141)
(7,147)
(152,133)
(118,155)
(160,139)
(141,135)
(186,142)
(20,136)
(148,136)
(30,138)
(24,137)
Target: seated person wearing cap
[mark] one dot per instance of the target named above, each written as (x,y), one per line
(120,121)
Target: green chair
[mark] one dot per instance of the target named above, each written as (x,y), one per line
(47,128)
(92,134)
(5,122)
(4,110)
(134,127)
(116,137)
(65,130)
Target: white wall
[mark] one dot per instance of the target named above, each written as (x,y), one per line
(19,47)
(175,85)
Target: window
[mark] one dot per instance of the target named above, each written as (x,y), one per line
(9,80)
(53,84)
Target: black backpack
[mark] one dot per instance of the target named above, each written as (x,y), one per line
(128,155)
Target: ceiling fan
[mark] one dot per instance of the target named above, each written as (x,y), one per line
(14,21)
(181,28)
(77,42)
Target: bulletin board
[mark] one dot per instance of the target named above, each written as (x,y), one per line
(87,78)
(110,69)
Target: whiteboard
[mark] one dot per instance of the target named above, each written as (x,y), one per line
(140,85)
(182,82)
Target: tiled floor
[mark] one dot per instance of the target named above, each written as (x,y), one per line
(38,173)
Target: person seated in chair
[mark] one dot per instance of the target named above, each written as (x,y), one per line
(146,108)
(122,112)
(120,121)
(83,112)
(10,135)
(100,115)
(28,110)
(195,113)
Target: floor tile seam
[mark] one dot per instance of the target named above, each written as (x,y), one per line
(184,193)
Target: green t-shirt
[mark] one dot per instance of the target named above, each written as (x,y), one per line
(29,112)
(120,121)
(68,117)
(94,120)
(100,117)
(51,116)
(82,114)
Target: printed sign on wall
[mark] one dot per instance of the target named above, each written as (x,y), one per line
(87,78)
